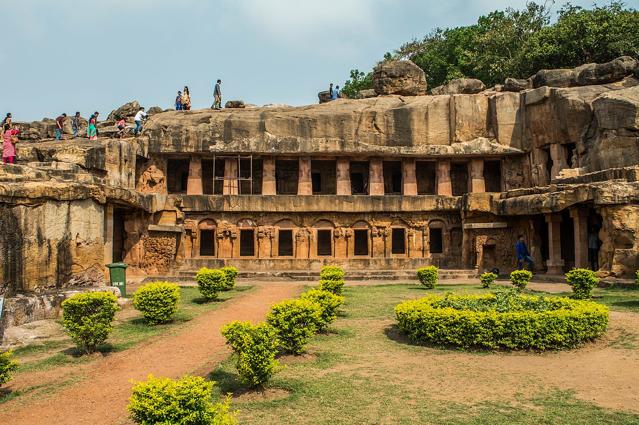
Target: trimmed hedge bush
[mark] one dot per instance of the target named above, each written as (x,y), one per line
(186,401)
(329,304)
(502,320)
(254,349)
(487,279)
(428,276)
(231,274)
(210,282)
(157,301)
(295,322)
(7,366)
(332,273)
(520,279)
(582,282)
(87,318)
(333,286)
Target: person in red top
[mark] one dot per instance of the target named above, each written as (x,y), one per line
(59,122)
(9,139)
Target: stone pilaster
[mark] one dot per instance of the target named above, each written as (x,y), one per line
(477,183)
(305,185)
(409,177)
(343,177)
(108,233)
(555,263)
(268,177)
(580,221)
(230,177)
(194,183)
(376,177)
(444,184)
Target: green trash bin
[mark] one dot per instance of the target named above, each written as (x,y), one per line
(117,275)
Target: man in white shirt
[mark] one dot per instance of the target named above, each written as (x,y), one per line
(138,120)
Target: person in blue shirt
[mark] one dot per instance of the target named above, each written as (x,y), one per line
(335,93)
(521,250)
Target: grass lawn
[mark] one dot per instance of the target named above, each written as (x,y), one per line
(129,330)
(364,372)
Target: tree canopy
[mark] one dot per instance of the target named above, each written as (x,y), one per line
(518,43)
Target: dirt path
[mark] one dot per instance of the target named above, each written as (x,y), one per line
(101,397)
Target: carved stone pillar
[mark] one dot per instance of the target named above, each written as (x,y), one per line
(444,184)
(555,263)
(194,183)
(376,177)
(268,176)
(409,177)
(580,220)
(343,177)
(477,183)
(558,156)
(305,185)
(230,177)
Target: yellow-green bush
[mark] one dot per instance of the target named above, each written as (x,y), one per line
(295,322)
(428,276)
(211,282)
(487,279)
(157,301)
(582,282)
(87,318)
(254,349)
(333,286)
(332,273)
(231,274)
(501,320)
(520,279)
(329,304)
(7,366)
(637,279)
(186,401)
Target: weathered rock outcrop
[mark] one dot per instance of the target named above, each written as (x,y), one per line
(399,77)
(125,111)
(554,78)
(602,73)
(516,85)
(460,86)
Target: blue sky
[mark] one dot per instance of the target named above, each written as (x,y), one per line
(67,55)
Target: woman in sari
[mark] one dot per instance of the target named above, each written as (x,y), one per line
(186,99)
(92,130)
(9,140)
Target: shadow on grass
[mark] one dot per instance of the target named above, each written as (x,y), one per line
(633,304)
(393,333)
(228,382)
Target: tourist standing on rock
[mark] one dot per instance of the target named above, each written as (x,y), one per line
(139,117)
(330,91)
(59,123)
(92,129)
(521,250)
(217,95)
(75,124)
(335,93)
(9,135)
(186,99)
(178,101)
(6,120)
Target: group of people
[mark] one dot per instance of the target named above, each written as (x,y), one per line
(76,122)
(183,98)
(333,92)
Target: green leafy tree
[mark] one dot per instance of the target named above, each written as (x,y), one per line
(358,81)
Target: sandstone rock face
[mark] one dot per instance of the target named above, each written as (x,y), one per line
(602,73)
(554,78)
(399,77)
(238,104)
(324,96)
(460,86)
(516,85)
(365,94)
(154,110)
(125,111)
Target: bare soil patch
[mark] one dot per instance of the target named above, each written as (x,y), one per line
(267,394)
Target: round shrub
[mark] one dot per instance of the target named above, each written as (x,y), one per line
(582,281)
(231,274)
(333,286)
(487,279)
(331,273)
(210,282)
(520,279)
(329,304)
(637,279)
(157,301)
(186,401)
(428,276)
(295,322)
(87,318)
(7,366)
(502,320)
(254,348)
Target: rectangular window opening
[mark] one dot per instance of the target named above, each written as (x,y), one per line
(285,243)
(247,243)
(286,176)
(177,175)
(359,177)
(436,241)
(361,242)
(325,242)
(459,178)
(426,173)
(398,241)
(207,243)
(492,176)
(393,177)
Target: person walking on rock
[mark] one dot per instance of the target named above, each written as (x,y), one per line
(178,101)
(75,124)
(59,123)
(186,99)
(9,135)
(521,250)
(139,117)
(92,129)
(217,95)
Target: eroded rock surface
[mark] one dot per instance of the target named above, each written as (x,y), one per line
(399,77)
